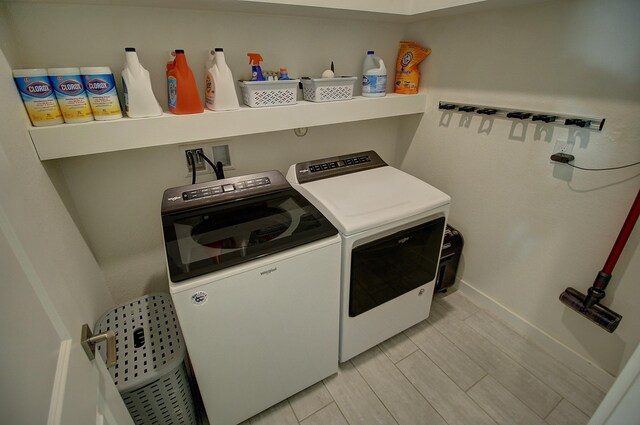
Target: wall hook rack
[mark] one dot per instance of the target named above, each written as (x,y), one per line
(521,114)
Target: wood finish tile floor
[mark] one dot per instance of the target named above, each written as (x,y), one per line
(462,366)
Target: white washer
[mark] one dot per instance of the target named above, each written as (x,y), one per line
(254,274)
(392,225)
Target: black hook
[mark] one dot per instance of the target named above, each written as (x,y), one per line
(578,122)
(487,111)
(447,106)
(466,108)
(544,118)
(519,115)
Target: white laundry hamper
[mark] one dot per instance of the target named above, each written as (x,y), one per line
(150,372)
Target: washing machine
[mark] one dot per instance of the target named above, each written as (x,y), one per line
(254,273)
(391,225)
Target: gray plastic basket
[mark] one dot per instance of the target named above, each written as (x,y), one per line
(150,372)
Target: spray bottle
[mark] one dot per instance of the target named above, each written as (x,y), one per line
(139,100)
(256,71)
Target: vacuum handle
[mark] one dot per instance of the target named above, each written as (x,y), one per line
(623,236)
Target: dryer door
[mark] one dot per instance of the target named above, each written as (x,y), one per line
(388,267)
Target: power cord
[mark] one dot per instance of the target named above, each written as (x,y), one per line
(603,169)
(193,166)
(216,169)
(565,158)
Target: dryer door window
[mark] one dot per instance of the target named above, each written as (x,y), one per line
(386,268)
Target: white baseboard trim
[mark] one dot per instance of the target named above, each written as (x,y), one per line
(557,349)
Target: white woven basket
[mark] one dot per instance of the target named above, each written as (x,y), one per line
(259,94)
(328,89)
(150,372)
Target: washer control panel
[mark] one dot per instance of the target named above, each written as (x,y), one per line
(230,187)
(336,166)
(201,194)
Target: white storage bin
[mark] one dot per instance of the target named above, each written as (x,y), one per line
(150,372)
(259,94)
(328,89)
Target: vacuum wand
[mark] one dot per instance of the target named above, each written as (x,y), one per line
(589,305)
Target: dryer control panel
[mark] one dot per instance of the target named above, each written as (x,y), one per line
(336,166)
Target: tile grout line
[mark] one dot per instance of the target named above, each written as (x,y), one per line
(555,407)
(417,348)
(294,412)
(461,350)
(528,368)
(317,410)
(374,392)
(489,373)
(416,388)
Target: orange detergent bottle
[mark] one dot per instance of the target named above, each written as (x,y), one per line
(181,87)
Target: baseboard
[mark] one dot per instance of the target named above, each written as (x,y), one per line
(557,349)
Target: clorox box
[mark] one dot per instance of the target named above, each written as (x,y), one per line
(38,97)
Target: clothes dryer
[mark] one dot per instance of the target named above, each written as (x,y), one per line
(392,225)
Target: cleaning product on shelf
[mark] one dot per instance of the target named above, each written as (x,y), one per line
(36,92)
(181,87)
(256,71)
(407,73)
(139,100)
(72,97)
(172,57)
(221,92)
(101,90)
(374,76)
(284,74)
(211,58)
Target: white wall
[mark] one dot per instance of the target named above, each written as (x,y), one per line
(531,228)
(115,197)
(42,225)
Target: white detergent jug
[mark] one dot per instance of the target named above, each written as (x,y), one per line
(374,76)
(139,100)
(221,88)
(208,97)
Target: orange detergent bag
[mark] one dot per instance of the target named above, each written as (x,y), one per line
(181,86)
(407,73)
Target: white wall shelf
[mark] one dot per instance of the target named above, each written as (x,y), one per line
(68,140)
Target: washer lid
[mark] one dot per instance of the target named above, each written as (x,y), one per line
(360,201)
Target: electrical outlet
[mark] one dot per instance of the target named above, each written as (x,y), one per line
(199,162)
(222,153)
(563,146)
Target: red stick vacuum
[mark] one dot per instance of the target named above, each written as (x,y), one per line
(589,305)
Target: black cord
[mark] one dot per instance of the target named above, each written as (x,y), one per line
(220,170)
(603,169)
(217,170)
(193,166)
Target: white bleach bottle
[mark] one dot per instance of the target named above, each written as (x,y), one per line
(221,88)
(139,100)
(374,76)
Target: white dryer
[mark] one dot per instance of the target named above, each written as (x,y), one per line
(392,225)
